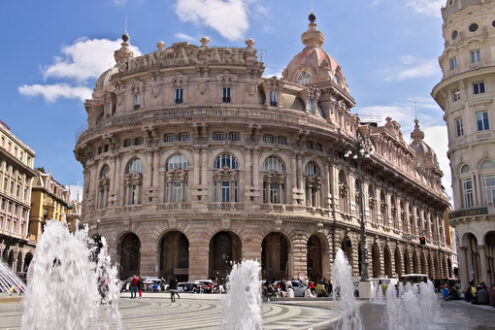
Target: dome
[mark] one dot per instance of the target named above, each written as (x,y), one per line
(103,82)
(424,153)
(313,64)
(454,6)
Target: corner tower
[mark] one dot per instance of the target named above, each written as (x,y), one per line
(466,94)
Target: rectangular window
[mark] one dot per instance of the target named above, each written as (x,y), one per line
(273,99)
(218,136)
(169,138)
(100,150)
(184,137)
(489,187)
(310,107)
(475,56)
(482,120)
(309,144)
(127,143)
(10,207)
(268,138)
(453,63)
(179,92)
(319,147)
(226,95)
(459,129)
(18,191)
(105,148)
(176,192)
(225,191)
(133,200)
(468,193)
(12,187)
(233,136)
(479,87)
(3,204)
(456,95)
(137,101)
(274,198)
(282,140)
(138,141)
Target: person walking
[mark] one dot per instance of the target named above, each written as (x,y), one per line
(173,289)
(134,284)
(162,284)
(140,287)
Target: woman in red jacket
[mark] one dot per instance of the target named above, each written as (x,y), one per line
(140,286)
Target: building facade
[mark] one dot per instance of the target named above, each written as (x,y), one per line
(16,175)
(192,160)
(49,201)
(466,94)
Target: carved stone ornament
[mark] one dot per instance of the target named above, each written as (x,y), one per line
(172,222)
(226,222)
(278,224)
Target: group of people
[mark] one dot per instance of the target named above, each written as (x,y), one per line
(136,286)
(480,294)
(285,288)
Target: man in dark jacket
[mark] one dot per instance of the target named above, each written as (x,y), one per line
(173,289)
(134,284)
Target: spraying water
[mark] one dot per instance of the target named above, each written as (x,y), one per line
(9,282)
(343,285)
(242,309)
(71,284)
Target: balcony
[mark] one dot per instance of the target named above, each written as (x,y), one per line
(225,206)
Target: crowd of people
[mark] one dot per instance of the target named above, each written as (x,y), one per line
(284,288)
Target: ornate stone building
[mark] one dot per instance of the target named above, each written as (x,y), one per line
(192,160)
(16,175)
(466,94)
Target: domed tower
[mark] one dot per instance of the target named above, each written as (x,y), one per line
(466,94)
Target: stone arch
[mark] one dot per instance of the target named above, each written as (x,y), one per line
(225,248)
(10,260)
(473,262)
(347,247)
(129,254)
(19,262)
(489,240)
(173,255)
(318,258)
(387,260)
(275,256)
(5,254)
(376,260)
(27,261)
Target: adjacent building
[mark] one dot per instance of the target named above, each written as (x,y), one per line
(192,160)
(16,175)
(466,94)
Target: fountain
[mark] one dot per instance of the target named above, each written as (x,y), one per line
(71,284)
(343,285)
(242,309)
(9,282)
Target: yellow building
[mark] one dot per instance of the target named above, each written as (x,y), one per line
(49,201)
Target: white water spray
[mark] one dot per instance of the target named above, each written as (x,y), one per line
(242,309)
(70,284)
(9,282)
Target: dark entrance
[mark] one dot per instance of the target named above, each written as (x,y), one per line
(130,255)
(225,248)
(174,256)
(274,257)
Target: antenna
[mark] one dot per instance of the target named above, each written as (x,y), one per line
(311,5)
(125,25)
(415,111)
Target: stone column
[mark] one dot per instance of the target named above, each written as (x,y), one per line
(198,258)
(300,257)
(256,170)
(325,188)
(204,166)
(156,168)
(196,165)
(483,276)
(462,259)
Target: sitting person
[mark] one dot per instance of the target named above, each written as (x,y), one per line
(482,297)
(308,293)
(445,293)
(290,291)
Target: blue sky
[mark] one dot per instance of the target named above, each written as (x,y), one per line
(52,52)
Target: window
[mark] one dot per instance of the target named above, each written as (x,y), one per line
(473,27)
(138,141)
(459,129)
(453,63)
(304,78)
(319,147)
(273,99)
(465,169)
(225,191)
(176,184)
(134,166)
(179,92)
(467,187)
(479,87)
(489,188)
(311,109)
(282,140)
(176,192)
(18,190)
(169,138)
(218,136)
(268,138)
(309,144)
(273,163)
(137,101)
(487,164)
(105,148)
(100,150)
(179,161)
(482,120)
(454,34)
(184,137)
(311,169)
(226,95)
(104,171)
(475,56)
(233,136)
(134,194)
(456,95)
(226,160)
(320,110)
(109,109)
(127,143)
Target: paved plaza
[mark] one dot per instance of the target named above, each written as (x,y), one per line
(155,311)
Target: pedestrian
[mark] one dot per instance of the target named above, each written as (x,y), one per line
(162,284)
(140,287)
(492,295)
(445,293)
(134,284)
(308,293)
(173,289)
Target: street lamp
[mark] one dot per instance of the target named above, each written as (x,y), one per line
(363,151)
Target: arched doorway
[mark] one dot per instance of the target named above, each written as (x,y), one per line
(11,259)
(375,256)
(317,258)
(5,254)
(19,262)
(129,249)
(225,248)
(174,256)
(398,262)
(388,262)
(407,262)
(472,257)
(27,261)
(346,246)
(275,257)
(490,255)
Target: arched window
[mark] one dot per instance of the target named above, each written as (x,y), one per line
(226,160)
(304,78)
(133,182)
(372,203)
(176,179)
(103,187)
(487,164)
(343,192)
(465,169)
(226,179)
(274,181)
(313,184)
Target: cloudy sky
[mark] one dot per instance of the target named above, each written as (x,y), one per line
(53,51)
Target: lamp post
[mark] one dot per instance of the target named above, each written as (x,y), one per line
(363,150)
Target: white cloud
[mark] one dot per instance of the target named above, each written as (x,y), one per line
(76,192)
(437,138)
(52,93)
(412,67)
(183,36)
(85,59)
(227,17)
(426,7)
(118,2)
